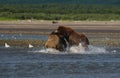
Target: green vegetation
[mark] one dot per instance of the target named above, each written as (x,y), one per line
(6,18)
(59,12)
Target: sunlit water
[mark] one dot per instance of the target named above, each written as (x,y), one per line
(75,62)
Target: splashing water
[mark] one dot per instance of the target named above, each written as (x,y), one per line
(48,50)
(96,50)
(76,50)
(92,49)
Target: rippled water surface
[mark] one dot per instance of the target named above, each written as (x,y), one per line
(20,62)
(32,63)
(23,36)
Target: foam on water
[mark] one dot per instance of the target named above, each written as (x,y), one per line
(76,50)
(96,50)
(46,50)
(91,49)
(49,50)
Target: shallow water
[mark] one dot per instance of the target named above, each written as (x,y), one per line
(44,37)
(36,63)
(23,36)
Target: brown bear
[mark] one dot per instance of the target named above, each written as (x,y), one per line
(73,37)
(56,41)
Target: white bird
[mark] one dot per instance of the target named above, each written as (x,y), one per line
(6,45)
(30,46)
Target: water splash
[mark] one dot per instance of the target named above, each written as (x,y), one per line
(91,49)
(76,50)
(48,50)
(96,50)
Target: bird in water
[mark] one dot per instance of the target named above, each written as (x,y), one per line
(30,46)
(6,45)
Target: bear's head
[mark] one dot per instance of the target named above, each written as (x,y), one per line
(52,41)
(56,41)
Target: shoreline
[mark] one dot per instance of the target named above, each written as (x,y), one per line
(45,27)
(92,29)
(38,43)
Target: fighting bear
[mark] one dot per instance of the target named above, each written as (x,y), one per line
(56,41)
(73,37)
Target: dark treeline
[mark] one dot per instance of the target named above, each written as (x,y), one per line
(110,2)
(60,11)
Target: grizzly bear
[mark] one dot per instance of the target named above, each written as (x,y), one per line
(56,41)
(73,37)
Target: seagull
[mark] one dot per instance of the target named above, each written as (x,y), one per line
(30,46)
(6,45)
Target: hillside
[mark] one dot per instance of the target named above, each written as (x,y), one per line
(60,9)
(60,1)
